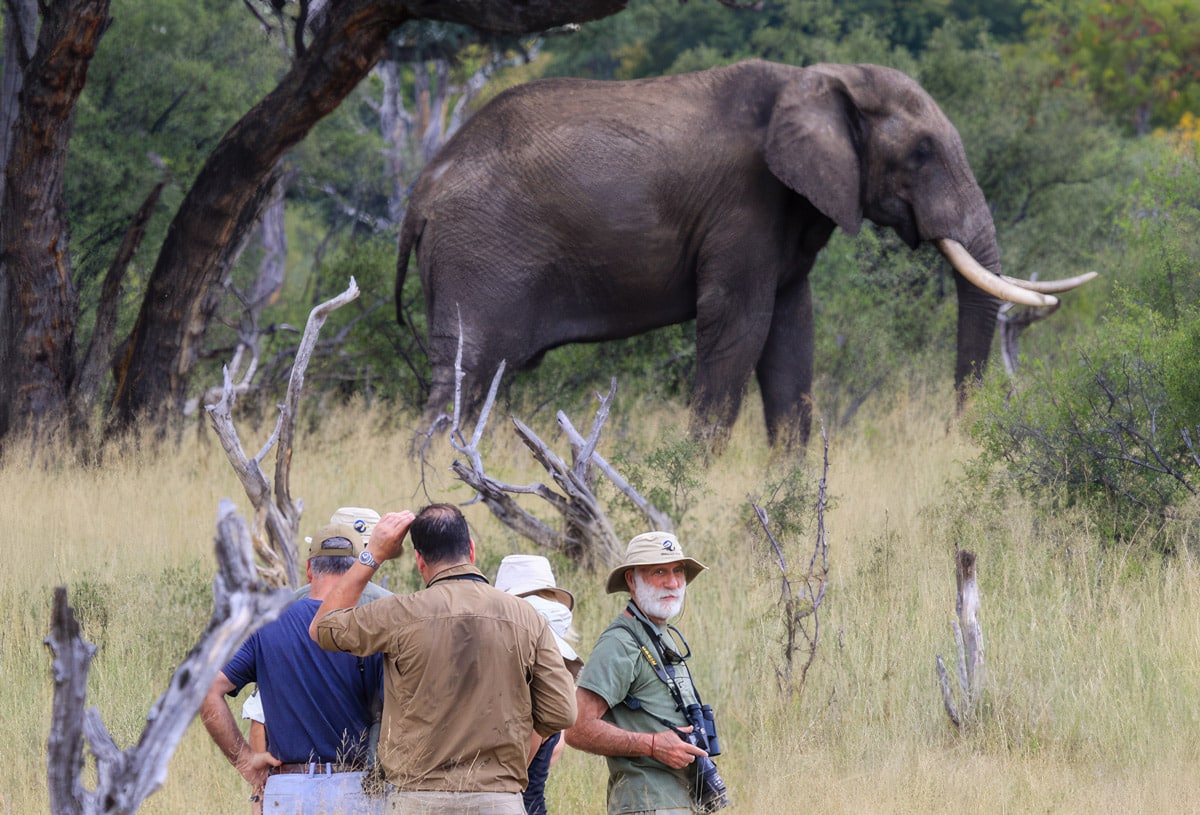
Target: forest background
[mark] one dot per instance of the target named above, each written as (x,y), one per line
(1079,119)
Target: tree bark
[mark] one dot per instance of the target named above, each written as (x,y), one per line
(165,342)
(99,352)
(38,363)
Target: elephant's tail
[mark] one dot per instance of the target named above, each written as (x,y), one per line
(410,231)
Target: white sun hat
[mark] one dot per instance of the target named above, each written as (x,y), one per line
(523,575)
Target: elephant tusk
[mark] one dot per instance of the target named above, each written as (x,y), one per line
(991,283)
(1052,286)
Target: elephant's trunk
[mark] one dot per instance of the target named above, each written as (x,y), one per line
(981,287)
(980,291)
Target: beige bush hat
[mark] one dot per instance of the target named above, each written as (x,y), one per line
(316,548)
(652,549)
(523,575)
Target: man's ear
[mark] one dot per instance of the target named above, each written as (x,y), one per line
(629,579)
(308,570)
(472,550)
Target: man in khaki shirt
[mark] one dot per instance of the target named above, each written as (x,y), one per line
(470,673)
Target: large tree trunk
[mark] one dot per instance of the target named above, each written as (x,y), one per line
(165,343)
(41,304)
(166,338)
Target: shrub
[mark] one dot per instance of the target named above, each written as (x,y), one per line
(1117,426)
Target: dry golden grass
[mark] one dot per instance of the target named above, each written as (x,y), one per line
(1093,701)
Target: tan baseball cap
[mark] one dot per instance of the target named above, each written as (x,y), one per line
(361,518)
(316,548)
(652,549)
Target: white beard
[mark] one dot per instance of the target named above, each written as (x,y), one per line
(657,603)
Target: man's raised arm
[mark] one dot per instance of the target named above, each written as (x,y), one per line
(387,543)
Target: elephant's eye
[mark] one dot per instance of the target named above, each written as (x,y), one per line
(923,152)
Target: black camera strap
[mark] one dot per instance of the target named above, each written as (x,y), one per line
(661,666)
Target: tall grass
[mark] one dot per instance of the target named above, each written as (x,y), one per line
(1093,655)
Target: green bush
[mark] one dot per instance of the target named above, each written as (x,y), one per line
(1116,426)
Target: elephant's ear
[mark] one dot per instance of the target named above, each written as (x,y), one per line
(812,146)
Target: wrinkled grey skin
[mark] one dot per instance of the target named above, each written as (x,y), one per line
(572,210)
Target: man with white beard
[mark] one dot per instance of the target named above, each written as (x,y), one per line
(637,703)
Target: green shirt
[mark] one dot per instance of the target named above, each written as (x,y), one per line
(616,669)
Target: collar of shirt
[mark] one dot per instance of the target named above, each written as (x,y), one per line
(456,571)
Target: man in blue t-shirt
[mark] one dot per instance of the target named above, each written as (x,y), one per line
(320,704)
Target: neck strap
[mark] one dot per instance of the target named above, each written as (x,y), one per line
(656,637)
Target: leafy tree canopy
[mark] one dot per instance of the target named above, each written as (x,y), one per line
(1140,57)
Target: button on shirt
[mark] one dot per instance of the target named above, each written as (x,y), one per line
(469,673)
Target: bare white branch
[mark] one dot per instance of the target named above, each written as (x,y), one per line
(124,779)
(587,534)
(968,641)
(276,522)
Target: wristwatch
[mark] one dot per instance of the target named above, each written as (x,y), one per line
(367,559)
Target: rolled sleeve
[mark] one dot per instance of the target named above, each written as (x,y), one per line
(612,668)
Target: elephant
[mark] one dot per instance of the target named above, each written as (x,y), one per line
(572,210)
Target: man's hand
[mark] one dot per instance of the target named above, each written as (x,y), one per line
(592,734)
(387,538)
(386,543)
(255,767)
(673,751)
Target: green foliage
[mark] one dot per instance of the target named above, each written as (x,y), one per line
(669,476)
(1107,431)
(655,37)
(167,80)
(1139,57)
(364,350)
(789,499)
(1115,427)
(877,306)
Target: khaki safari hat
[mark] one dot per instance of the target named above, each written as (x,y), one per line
(524,575)
(316,548)
(652,549)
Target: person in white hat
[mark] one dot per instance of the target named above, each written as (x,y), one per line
(531,577)
(637,704)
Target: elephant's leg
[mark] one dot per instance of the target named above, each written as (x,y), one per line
(731,327)
(485,344)
(785,369)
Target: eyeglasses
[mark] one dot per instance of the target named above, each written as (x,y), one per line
(671,653)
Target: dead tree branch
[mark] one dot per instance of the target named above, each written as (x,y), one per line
(125,778)
(962,706)
(280,518)
(586,535)
(802,600)
(1013,320)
